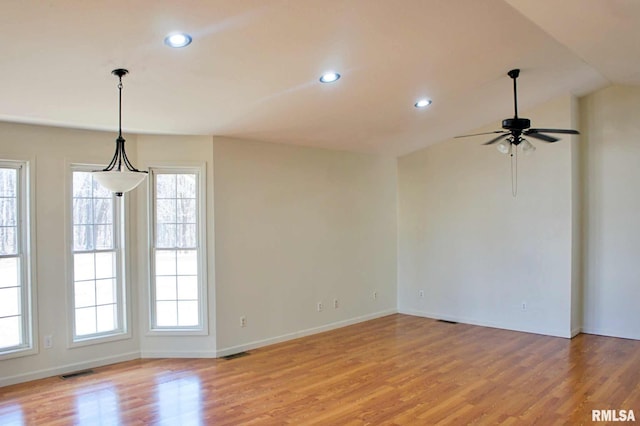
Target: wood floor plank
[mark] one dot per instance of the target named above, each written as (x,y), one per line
(396,370)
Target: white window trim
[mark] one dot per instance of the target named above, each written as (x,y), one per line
(26,215)
(122,252)
(201,171)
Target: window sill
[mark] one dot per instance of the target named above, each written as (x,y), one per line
(95,340)
(18,353)
(177,332)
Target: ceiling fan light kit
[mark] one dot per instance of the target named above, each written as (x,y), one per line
(504,147)
(527,147)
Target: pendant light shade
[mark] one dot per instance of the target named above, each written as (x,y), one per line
(119,182)
(120,175)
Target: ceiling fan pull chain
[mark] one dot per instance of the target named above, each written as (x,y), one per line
(514,172)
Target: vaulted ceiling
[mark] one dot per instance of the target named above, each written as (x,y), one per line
(253,67)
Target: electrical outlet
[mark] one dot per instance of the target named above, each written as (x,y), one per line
(243,321)
(48,341)
(524,306)
(375,295)
(319,306)
(335,304)
(421,294)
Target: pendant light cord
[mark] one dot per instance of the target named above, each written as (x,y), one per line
(120,160)
(120,107)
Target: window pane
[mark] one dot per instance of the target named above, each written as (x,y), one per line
(8,212)
(10,332)
(187,313)
(105,292)
(187,262)
(104,237)
(186,236)
(83,266)
(165,262)
(103,211)
(100,191)
(85,293)
(105,265)
(82,184)
(166,288)
(166,236)
(14,334)
(8,181)
(96,283)
(82,211)
(186,186)
(83,238)
(188,288)
(166,313)
(176,241)
(86,321)
(165,186)
(9,272)
(8,241)
(106,318)
(166,211)
(186,211)
(9,301)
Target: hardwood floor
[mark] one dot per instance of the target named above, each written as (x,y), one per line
(398,369)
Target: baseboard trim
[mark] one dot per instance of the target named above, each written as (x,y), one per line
(177,354)
(302,333)
(545,332)
(610,333)
(67,368)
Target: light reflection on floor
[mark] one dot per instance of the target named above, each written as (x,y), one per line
(179,401)
(98,405)
(11,415)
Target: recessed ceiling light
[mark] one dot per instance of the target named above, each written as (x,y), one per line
(329,77)
(422,103)
(177,40)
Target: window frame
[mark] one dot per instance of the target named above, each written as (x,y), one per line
(121,249)
(201,238)
(26,254)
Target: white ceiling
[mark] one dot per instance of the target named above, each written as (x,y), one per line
(252,70)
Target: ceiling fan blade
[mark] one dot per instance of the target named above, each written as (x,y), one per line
(478,134)
(496,139)
(543,137)
(566,131)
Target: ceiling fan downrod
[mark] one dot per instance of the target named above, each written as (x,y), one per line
(514,75)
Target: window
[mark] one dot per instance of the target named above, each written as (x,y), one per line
(177,278)
(98,284)
(15,291)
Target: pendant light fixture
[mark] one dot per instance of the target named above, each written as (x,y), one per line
(120,175)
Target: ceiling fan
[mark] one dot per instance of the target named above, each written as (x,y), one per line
(517,127)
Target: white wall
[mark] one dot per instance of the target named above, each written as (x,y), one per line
(477,252)
(296,226)
(612,202)
(50,151)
